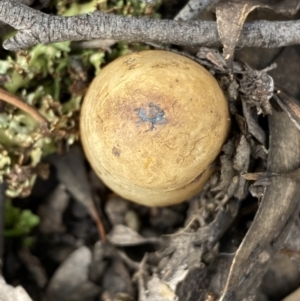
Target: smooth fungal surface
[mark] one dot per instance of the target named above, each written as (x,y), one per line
(151,125)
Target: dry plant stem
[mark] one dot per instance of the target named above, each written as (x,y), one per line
(99,224)
(193,8)
(36,27)
(277,211)
(19,103)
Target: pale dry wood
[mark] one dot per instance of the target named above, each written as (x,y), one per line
(193,8)
(294,296)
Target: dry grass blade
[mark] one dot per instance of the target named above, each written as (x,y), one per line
(232,14)
(275,215)
(290,105)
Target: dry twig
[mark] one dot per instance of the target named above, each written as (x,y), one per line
(193,8)
(19,103)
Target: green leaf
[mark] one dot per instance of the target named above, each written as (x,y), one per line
(18,222)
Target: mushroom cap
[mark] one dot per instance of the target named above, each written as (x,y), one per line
(151,125)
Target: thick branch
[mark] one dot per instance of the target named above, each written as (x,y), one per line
(4,28)
(36,27)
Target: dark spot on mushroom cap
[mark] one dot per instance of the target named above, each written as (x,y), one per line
(116,152)
(151,113)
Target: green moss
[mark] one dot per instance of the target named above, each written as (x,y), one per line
(18,222)
(53,79)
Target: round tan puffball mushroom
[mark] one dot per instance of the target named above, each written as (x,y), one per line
(151,125)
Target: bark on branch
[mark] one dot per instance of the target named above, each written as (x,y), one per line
(193,8)
(36,27)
